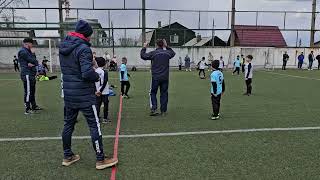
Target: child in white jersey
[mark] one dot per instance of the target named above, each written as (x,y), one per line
(102,89)
(202,65)
(248,74)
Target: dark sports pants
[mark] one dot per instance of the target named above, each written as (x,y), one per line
(70,118)
(203,72)
(105,100)
(243,68)
(180,67)
(16,68)
(318,64)
(300,65)
(249,85)
(215,100)
(284,65)
(29,84)
(310,64)
(237,70)
(164,85)
(125,86)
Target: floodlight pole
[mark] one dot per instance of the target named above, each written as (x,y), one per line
(213,33)
(143,21)
(233,19)
(50,56)
(60,20)
(313,22)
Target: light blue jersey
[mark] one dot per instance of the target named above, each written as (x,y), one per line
(237,63)
(123,68)
(217,77)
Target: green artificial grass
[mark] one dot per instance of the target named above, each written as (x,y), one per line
(277,101)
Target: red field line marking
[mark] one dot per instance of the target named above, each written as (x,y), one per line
(116,141)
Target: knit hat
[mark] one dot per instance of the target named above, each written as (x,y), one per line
(83,27)
(100,61)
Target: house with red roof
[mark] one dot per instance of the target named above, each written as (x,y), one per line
(258,36)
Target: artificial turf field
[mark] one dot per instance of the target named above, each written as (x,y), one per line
(278,101)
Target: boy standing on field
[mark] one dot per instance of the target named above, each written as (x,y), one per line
(248,75)
(102,89)
(124,78)
(217,89)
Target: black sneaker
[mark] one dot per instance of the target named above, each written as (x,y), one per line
(37,108)
(28,111)
(106,121)
(214,117)
(163,114)
(154,113)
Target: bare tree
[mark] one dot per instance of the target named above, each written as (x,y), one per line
(8,14)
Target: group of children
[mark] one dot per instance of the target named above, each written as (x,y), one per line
(103,91)
(218,83)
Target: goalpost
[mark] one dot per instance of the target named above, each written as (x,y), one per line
(43,47)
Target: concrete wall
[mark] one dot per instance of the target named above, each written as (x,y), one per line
(263,57)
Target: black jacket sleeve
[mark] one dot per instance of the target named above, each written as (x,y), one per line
(171,52)
(144,55)
(122,74)
(214,85)
(105,81)
(223,86)
(86,66)
(23,55)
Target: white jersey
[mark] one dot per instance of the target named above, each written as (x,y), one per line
(221,64)
(100,83)
(202,65)
(248,73)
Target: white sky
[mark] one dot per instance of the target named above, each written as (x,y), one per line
(190,20)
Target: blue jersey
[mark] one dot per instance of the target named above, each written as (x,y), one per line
(217,77)
(123,68)
(237,63)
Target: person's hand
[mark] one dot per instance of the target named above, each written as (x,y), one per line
(165,44)
(30,65)
(98,93)
(33,50)
(145,45)
(222,93)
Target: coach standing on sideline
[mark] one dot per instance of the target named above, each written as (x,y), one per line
(79,79)
(28,66)
(160,74)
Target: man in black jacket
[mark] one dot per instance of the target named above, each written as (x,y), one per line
(311,59)
(79,89)
(28,64)
(160,74)
(285,60)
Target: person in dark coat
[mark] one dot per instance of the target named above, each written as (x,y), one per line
(28,65)
(79,79)
(285,60)
(160,59)
(300,60)
(311,59)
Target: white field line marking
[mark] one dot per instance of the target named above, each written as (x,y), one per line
(168,134)
(20,79)
(301,77)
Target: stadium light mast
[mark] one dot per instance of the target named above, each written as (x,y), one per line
(313,22)
(143,21)
(233,19)
(60,19)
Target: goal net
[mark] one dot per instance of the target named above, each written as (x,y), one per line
(44,48)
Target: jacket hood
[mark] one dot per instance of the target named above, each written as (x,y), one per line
(70,43)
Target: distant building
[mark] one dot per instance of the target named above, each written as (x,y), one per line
(205,41)
(175,34)
(6,37)
(258,36)
(99,36)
